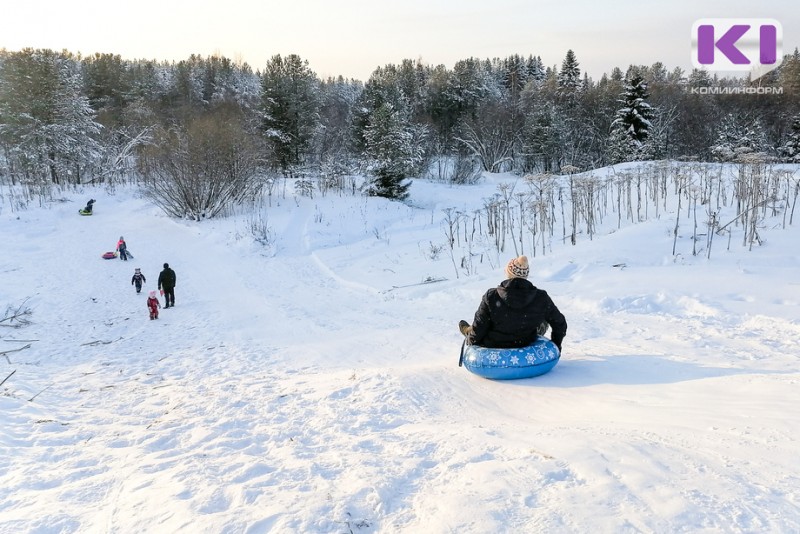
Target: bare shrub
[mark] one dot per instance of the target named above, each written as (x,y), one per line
(198,168)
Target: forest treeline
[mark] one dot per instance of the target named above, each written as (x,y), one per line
(207,131)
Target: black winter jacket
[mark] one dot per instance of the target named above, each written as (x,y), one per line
(509,315)
(166,279)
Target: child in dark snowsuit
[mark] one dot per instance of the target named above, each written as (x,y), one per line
(153,305)
(137,279)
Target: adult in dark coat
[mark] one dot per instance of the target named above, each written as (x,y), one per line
(166,283)
(515,313)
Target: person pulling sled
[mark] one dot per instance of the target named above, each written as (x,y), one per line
(122,249)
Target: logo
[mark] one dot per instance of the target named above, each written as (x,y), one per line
(753,45)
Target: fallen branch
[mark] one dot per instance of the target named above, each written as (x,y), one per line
(745,212)
(100,342)
(15,350)
(429,280)
(6,352)
(45,389)
(6,378)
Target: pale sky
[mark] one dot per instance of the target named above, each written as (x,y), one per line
(353,37)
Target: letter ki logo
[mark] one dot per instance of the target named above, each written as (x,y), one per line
(753,45)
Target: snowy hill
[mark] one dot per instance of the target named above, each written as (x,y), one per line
(310,384)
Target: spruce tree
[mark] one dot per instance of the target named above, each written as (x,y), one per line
(630,129)
(569,77)
(393,151)
(791,149)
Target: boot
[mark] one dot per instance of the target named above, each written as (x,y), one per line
(464,327)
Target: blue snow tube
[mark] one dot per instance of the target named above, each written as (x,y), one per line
(509,364)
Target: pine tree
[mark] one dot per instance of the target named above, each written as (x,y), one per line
(290,103)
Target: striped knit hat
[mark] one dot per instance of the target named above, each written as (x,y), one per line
(518,267)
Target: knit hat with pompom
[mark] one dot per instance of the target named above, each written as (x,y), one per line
(518,268)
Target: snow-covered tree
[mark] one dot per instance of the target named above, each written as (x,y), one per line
(737,136)
(791,149)
(631,127)
(514,74)
(290,104)
(46,123)
(535,68)
(331,146)
(489,136)
(569,77)
(543,139)
(789,73)
(636,114)
(107,85)
(393,148)
(699,78)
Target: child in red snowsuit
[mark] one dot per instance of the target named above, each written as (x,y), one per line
(153,305)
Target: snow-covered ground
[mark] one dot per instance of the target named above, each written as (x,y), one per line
(309,386)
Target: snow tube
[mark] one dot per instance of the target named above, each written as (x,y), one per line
(509,364)
(84,212)
(109,255)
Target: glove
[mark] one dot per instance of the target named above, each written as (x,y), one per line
(162,292)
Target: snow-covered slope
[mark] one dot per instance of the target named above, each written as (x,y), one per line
(310,386)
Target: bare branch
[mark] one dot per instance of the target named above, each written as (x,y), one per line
(18,316)
(6,378)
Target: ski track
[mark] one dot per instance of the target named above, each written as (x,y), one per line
(280,428)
